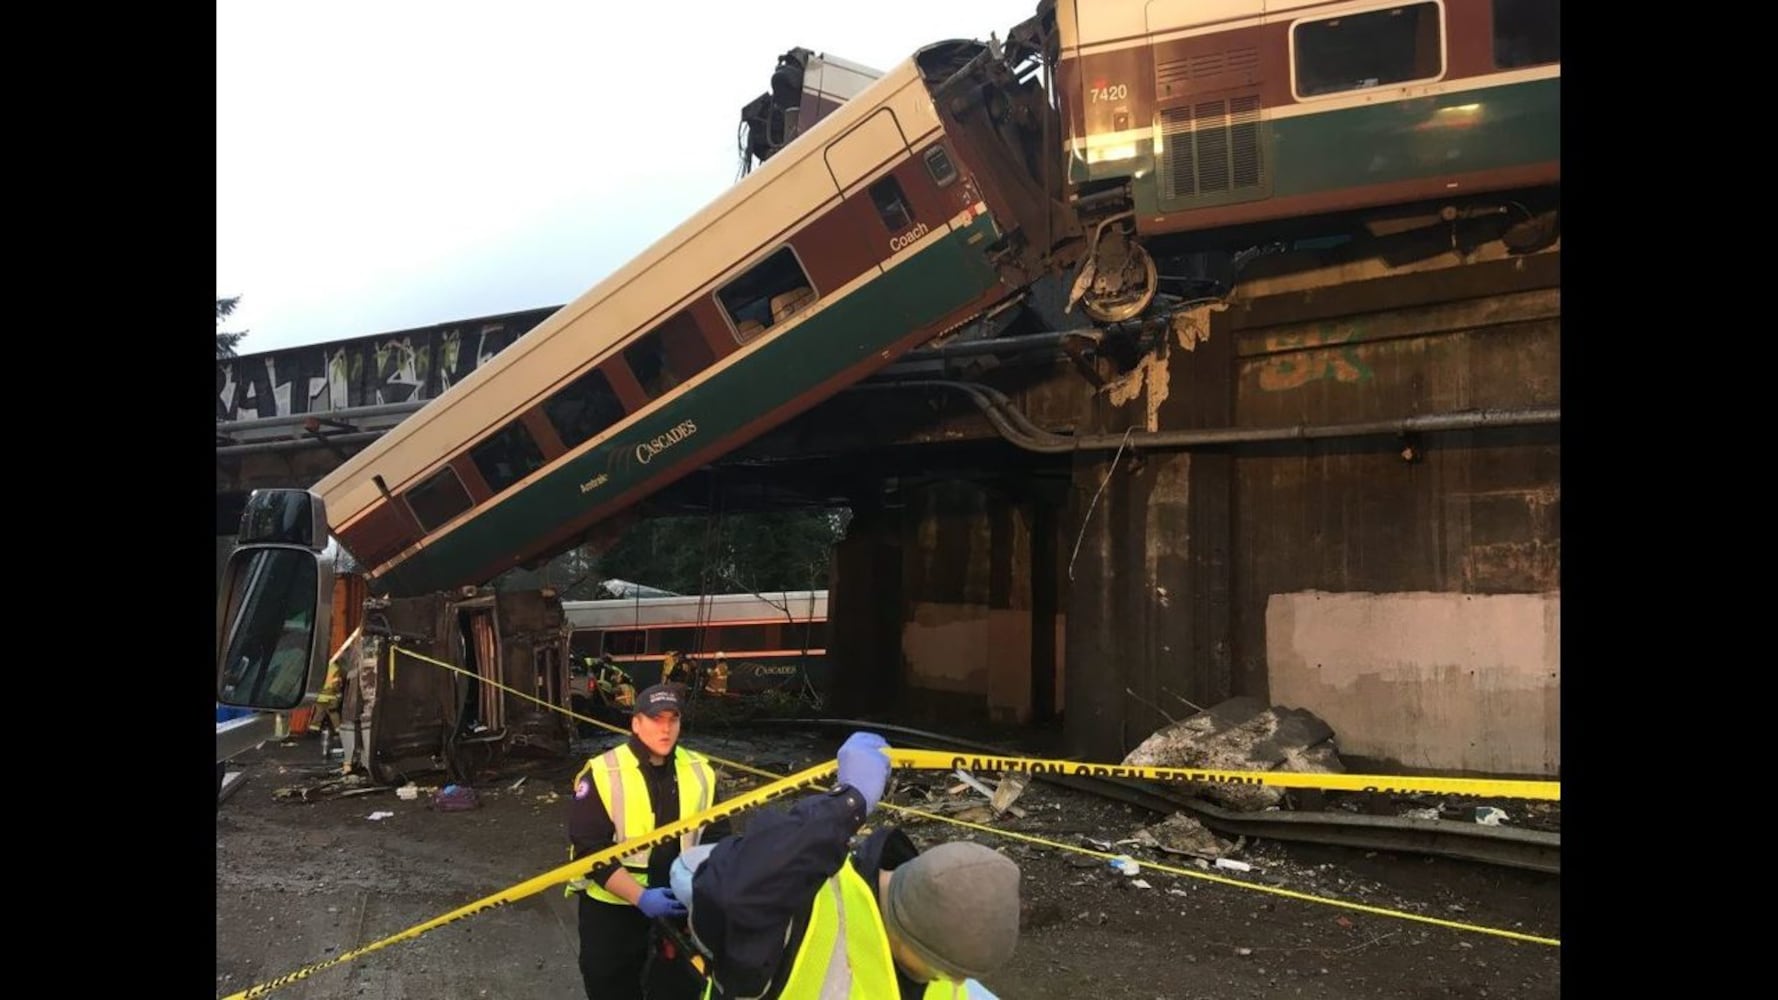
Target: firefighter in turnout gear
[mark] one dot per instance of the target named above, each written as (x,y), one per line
(716,679)
(630,790)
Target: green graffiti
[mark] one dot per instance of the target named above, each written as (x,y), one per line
(1323,353)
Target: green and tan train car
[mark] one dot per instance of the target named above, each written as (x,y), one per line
(1203,118)
(867,235)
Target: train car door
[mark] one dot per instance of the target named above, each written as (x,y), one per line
(865,148)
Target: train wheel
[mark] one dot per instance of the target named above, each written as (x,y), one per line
(1123,284)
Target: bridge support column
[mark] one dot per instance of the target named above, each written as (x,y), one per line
(975,647)
(864,615)
(1148,589)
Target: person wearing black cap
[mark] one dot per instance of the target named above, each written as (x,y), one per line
(627,792)
(789,914)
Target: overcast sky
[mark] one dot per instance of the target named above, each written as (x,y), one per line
(385,164)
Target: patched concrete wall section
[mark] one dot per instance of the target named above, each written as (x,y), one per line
(1447,682)
(1009,666)
(972,650)
(946,648)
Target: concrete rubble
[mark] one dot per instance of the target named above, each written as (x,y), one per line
(1241,734)
(1182,834)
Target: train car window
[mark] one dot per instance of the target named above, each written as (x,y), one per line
(772,292)
(938,164)
(583,408)
(625,643)
(892,208)
(744,638)
(668,355)
(1371,49)
(1527,32)
(684,639)
(507,456)
(438,499)
(583,643)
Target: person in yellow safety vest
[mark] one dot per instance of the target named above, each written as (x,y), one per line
(674,669)
(614,684)
(789,914)
(327,703)
(623,794)
(625,694)
(716,680)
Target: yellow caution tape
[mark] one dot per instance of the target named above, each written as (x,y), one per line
(929,760)
(942,760)
(577,868)
(1240,883)
(945,761)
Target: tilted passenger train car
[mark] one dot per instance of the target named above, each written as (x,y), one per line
(865,237)
(895,218)
(1187,121)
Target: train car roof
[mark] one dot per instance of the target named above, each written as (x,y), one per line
(713,609)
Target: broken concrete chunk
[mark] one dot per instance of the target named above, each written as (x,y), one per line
(1241,734)
(1181,834)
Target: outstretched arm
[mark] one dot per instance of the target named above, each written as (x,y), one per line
(754,885)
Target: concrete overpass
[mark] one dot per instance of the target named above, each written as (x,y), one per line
(1338,490)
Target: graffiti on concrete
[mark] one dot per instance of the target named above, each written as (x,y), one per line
(365,371)
(1324,353)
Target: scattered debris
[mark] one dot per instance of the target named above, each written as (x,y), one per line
(1232,865)
(408,792)
(975,783)
(1490,816)
(1012,785)
(338,787)
(455,798)
(515,785)
(974,814)
(1125,864)
(1182,834)
(1241,734)
(380,814)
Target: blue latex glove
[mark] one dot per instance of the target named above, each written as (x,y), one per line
(660,902)
(865,766)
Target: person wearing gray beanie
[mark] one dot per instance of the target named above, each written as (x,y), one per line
(954,908)
(787,912)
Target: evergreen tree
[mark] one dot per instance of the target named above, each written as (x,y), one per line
(226,341)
